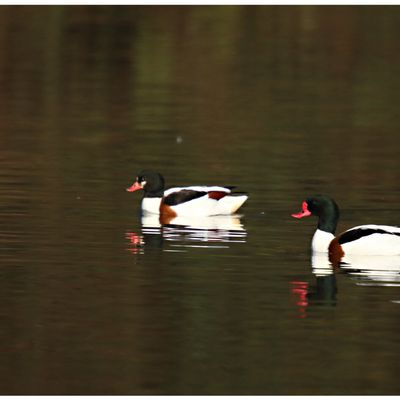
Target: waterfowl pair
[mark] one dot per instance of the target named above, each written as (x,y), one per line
(363,239)
(196,201)
(189,201)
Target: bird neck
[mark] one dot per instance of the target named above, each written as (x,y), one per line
(327,223)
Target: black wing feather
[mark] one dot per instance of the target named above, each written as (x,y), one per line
(182,196)
(355,234)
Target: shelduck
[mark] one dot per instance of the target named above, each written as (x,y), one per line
(185,201)
(363,239)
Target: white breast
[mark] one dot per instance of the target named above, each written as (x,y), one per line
(321,240)
(151,204)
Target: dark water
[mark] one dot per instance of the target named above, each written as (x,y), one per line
(282,102)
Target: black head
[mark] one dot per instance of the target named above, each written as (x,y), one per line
(151,182)
(324,208)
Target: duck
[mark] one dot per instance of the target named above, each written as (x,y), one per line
(383,240)
(192,201)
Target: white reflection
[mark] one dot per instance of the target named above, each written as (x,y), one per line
(321,266)
(187,232)
(217,222)
(379,269)
(382,271)
(219,228)
(322,291)
(362,267)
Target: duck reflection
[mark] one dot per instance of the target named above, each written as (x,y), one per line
(180,233)
(364,270)
(325,289)
(372,270)
(323,292)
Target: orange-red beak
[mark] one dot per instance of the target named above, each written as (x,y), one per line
(134,187)
(304,211)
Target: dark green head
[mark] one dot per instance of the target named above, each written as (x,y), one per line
(151,182)
(325,208)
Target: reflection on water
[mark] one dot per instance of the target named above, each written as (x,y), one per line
(186,232)
(324,289)
(377,270)
(373,271)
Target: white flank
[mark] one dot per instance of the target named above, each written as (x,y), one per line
(202,206)
(377,243)
(230,204)
(205,206)
(374,264)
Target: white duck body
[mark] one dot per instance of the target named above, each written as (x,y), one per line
(386,240)
(383,239)
(200,206)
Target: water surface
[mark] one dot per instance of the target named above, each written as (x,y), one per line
(282,102)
